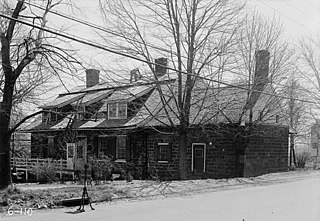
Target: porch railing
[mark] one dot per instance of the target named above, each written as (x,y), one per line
(27,164)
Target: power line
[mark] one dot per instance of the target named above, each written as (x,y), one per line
(98,27)
(76,39)
(283,15)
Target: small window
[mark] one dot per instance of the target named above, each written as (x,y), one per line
(114,147)
(163,152)
(79,151)
(121,147)
(122,110)
(46,117)
(314,145)
(112,110)
(50,141)
(117,110)
(70,150)
(277,118)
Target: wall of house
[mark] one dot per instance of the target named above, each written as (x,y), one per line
(267,151)
(220,154)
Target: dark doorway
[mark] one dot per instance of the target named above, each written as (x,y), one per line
(198,157)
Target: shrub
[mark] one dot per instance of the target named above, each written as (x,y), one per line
(101,167)
(45,172)
(302,158)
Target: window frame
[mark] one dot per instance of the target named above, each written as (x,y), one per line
(116,158)
(160,160)
(123,158)
(118,105)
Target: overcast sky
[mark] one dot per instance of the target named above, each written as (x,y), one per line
(299,18)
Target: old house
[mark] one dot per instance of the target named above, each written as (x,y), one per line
(233,131)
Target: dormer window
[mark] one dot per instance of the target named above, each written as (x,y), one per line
(117,110)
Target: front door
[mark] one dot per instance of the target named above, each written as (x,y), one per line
(198,157)
(70,154)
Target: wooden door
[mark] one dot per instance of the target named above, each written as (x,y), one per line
(198,157)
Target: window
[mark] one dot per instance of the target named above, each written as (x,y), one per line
(79,151)
(314,145)
(80,113)
(54,115)
(46,117)
(114,147)
(121,147)
(117,110)
(277,118)
(51,141)
(70,150)
(163,153)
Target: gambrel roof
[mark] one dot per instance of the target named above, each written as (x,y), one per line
(209,105)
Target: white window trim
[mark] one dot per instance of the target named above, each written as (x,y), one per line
(163,161)
(163,144)
(71,146)
(204,155)
(117,110)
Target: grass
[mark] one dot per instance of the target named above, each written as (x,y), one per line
(51,197)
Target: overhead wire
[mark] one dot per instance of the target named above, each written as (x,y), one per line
(303,26)
(98,27)
(101,47)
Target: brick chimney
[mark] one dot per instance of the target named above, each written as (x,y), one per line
(260,79)
(92,77)
(135,75)
(160,66)
(262,68)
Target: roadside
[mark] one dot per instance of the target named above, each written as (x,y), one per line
(47,196)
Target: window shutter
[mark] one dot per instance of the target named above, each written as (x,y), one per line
(169,153)
(156,153)
(128,149)
(96,146)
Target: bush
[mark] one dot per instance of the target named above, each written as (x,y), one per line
(101,167)
(302,158)
(45,172)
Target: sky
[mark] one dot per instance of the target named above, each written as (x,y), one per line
(299,17)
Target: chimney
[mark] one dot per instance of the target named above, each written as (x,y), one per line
(262,68)
(135,75)
(260,79)
(160,66)
(92,77)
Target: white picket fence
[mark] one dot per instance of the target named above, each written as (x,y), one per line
(27,164)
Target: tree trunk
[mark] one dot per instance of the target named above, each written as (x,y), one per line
(182,154)
(5,113)
(5,174)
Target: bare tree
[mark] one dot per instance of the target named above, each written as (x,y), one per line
(296,113)
(309,69)
(29,58)
(193,35)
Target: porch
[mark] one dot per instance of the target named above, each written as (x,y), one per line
(26,166)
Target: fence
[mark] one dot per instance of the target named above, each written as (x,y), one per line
(26,165)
